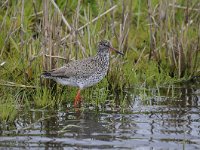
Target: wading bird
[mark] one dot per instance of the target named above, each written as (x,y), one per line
(86,72)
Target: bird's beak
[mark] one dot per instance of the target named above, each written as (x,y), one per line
(118,52)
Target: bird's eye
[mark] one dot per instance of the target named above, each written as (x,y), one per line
(105,45)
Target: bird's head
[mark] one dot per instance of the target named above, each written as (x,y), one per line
(105,46)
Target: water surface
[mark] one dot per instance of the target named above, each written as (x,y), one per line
(170,119)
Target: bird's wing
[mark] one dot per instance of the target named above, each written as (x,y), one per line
(83,68)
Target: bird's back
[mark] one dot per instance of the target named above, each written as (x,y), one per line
(83,72)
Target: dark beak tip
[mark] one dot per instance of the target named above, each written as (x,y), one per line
(120,53)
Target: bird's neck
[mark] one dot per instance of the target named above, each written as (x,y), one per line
(103,58)
(103,55)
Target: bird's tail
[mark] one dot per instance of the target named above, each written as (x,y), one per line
(46,75)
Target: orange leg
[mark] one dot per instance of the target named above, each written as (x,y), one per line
(77,100)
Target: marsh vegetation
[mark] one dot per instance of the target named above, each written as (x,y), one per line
(160,39)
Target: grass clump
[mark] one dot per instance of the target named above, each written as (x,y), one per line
(8,108)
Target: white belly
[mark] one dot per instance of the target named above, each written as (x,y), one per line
(64,81)
(82,82)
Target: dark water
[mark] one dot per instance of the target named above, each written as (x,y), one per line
(168,119)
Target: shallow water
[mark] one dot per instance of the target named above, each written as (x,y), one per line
(168,121)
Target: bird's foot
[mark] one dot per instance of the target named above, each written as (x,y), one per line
(77,100)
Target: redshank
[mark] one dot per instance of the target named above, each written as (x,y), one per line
(86,72)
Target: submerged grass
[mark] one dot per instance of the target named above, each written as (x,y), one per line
(160,39)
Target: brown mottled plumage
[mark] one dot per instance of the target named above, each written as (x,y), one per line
(86,72)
